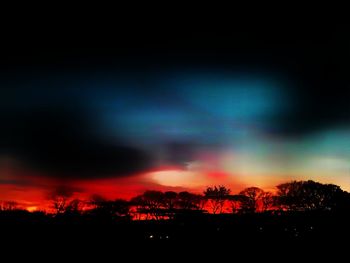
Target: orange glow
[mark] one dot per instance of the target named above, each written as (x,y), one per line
(176,178)
(32,208)
(33,190)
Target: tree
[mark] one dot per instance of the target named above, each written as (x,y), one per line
(253,194)
(235,203)
(190,201)
(9,206)
(154,201)
(151,203)
(60,197)
(97,200)
(108,209)
(267,200)
(170,198)
(169,202)
(141,207)
(121,209)
(199,202)
(217,196)
(310,195)
(74,207)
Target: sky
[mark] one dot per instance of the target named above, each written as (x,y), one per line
(175,111)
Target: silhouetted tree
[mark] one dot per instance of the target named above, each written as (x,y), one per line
(235,203)
(151,203)
(8,206)
(217,196)
(59,204)
(154,201)
(254,194)
(199,202)
(74,207)
(190,201)
(121,208)
(141,207)
(267,200)
(60,197)
(170,198)
(335,198)
(310,195)
(97,200)
(108,209)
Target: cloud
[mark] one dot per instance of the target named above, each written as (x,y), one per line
(60,142)
(179,153)
(65,191)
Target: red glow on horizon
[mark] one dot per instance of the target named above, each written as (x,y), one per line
(31,191)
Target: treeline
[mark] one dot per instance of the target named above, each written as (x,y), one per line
(158,205)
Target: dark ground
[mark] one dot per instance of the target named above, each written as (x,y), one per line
(291,235)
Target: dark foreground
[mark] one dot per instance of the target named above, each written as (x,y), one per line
(263,231)
(293,237)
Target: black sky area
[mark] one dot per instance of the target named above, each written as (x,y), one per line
(314,57)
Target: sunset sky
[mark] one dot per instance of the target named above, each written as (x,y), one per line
(183,113)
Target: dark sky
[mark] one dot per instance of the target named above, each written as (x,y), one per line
(312,56)
(90,102)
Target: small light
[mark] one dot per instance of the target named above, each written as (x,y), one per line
(151,236)
(167,237)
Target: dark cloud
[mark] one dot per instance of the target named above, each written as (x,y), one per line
(64,191)
(312,57)
(61,143)
(319,84)
(179,152)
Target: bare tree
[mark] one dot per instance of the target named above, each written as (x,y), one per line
(199,202)
(150,203)
(121,209)
(154,201)
(60,204)
(75,207)
(140,207)
(235,203)
(190,201)
(253,195)
(170,201)
(267,200)
(60,199)
(96,200)
(9,206)
(110,209)
(217,195)
(170,198)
